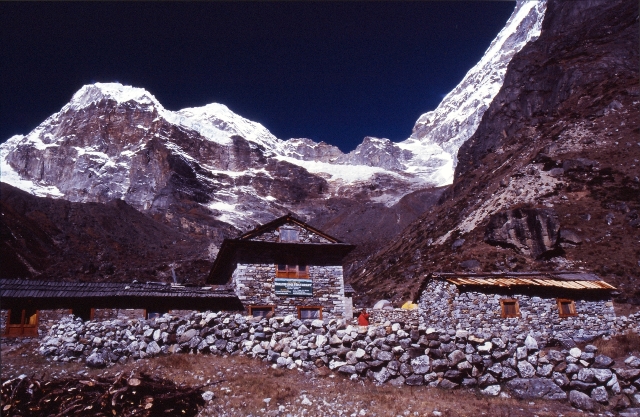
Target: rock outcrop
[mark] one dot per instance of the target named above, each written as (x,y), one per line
(532,232)
(561,134)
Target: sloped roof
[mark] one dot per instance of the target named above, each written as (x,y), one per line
(52,294)
(50,289)
(245,250)
(564,279)
(288,218)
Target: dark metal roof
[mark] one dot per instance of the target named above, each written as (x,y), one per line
(29,288)
(52,294)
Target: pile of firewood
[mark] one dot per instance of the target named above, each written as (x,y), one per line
(141,396)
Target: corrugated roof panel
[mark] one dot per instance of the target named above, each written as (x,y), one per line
(558,283)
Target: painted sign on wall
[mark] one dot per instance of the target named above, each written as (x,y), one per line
(294,287)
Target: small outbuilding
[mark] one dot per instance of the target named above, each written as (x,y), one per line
(561,304)
(23,301)
(286,267)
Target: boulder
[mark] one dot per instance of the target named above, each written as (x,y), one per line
(575,352)
(153,348)
(555,356)
(627,374)
(486,380)
(398,381)
(469,382)
(530,231)
(526,370)
(535,388)
(581,400)
(96,360)
(491,390)
(347,369)
(508,373)
(446,384)
(530,343)
(544,370)
(570,236)
(602,375)
(439,365)
(600,395)
(187,336)
(382,376)
(602,361)
(384,356)
(421,364)
(560,379)
(414,380)
(456,357)
(586,375)
(633,362)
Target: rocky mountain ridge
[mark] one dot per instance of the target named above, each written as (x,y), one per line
(209,172)
(549,180)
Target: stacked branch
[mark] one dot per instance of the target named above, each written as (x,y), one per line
(143,396)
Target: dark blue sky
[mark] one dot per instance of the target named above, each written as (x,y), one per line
(329,71)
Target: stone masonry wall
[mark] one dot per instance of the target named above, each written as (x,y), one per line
(396,315)
(443,306)
(395,353)
(254,284)
(304,235)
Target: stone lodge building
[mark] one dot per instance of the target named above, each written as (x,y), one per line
(556,305)
(285,267)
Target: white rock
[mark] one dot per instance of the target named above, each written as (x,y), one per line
(492,390)
(321,340)
(485,347)
(575,352)
(531,343)
(207,395)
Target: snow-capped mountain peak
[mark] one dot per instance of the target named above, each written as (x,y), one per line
(113,141)
(458,115)
(93,93)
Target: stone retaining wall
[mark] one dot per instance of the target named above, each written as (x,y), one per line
(443,305)
(396,315)
(395,353)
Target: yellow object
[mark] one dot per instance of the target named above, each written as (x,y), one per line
(409,306)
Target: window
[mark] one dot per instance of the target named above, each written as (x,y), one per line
(154,313)
(261,311)
(85,313)
(22,323)
(566,308)
(312,312)
(292,271)
(288,235)
(510,308)
(20,317)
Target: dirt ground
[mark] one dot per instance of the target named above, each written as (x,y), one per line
(249,387)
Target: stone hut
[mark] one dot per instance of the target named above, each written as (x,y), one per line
(285,267)
(556,305)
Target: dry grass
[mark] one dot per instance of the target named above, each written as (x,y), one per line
(619,346)
(248,382)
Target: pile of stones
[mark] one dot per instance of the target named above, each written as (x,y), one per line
(392,353)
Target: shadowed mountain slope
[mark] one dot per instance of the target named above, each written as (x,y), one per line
(563,134)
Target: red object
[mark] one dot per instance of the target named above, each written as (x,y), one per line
(363,319)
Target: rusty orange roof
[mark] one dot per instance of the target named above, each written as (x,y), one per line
(568,280)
